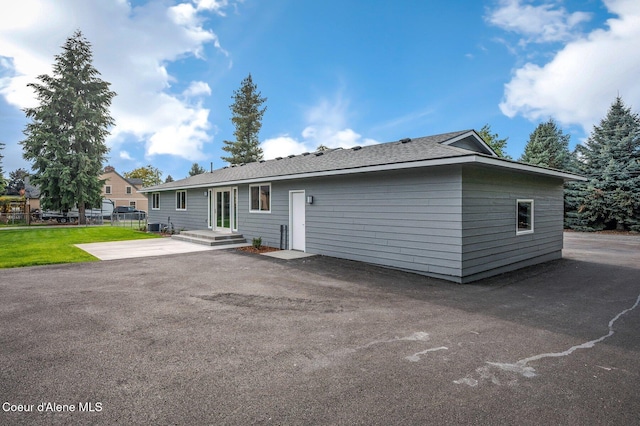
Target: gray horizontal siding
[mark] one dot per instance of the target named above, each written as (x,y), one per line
(489,221)
(194,217)
(407,220)
(264,225)
(453,222)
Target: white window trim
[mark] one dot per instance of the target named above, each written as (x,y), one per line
(155,206)
(128,190)
(107,189)
(234,190)
(528,231)
(270,197)
(185,200)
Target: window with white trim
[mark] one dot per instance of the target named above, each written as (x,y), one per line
(524,217)
(181,200)
(132,204)
(260,198)
(155,201)
(107,189)
(128,190)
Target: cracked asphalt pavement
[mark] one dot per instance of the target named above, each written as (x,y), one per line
(225,337)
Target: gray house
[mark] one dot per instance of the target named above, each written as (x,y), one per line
(444,206)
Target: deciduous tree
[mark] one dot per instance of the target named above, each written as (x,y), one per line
(150,175)
(247,119)
(65,138)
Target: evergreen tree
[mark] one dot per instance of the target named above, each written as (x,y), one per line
(16,181)
(548,147)
(2,181)
(196,169)
(247,119)
(610,158)
(498,145)
(66,136)
(168,179)
(150,175)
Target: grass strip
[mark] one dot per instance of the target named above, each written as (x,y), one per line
(46,246)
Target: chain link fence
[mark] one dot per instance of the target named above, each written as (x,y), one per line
(134,220)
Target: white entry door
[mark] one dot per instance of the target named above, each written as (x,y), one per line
(297,220)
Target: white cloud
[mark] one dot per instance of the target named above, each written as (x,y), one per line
(197,88)
(125,155)
(132,47)
(282,146)
(580,82)
(216,6)
(543,23)
(326,124)
(191,130)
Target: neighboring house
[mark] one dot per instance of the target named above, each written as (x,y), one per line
(31,195)
(123,191)
(445,206)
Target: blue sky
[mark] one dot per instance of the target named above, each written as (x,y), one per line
(338,73)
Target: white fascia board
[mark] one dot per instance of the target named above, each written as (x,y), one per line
(528,168)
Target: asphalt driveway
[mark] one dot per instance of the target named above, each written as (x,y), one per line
(225,337)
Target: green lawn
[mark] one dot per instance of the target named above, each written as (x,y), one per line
(45,246)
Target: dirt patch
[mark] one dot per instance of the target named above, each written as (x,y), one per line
(261,249)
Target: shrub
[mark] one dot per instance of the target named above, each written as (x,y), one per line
(257,242)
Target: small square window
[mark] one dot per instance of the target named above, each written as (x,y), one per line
(260,198)
(524,217)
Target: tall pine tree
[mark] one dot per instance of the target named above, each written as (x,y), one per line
(66,136)
(610,158)
(196,169)
(548,147)
(247,119)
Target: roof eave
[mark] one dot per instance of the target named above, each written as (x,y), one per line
(527,168)
(464,159)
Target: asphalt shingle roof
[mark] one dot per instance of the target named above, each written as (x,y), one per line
(407,150)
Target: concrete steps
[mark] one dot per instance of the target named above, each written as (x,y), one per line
(210,238)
